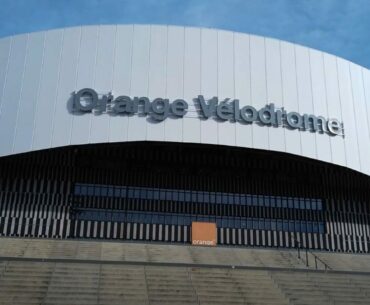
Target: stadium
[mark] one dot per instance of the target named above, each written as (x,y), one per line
(164,138)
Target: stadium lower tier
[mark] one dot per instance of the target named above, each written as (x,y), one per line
(153,191)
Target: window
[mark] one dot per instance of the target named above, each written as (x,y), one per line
(290,203)
(117,216)
(231,222)
(104,191)
(155,218)
(308,204)
(321,228)
(90,190)
(249,224)
(203,218)
(181,196)
(295,203)
(279,225)
(254,200)
(206,197)
(169,218)
(255,223)
(200,197)
(77,189)
(194,197)
(187,220)
(315,227)
(147,212)
(139,217)
(148,218)
(156,195)
(96,191)
(187,196)
(83,190)
(143,194)
(129,217)
(180,220)
(169,195)
(309,227)
(279,202)
(224,222)
(212,198)
(137,193)
(243,223)
(273,202)
(224,198)
(219,221)
(117,192)
(175,196)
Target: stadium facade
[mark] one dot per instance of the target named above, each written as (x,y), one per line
(134,132)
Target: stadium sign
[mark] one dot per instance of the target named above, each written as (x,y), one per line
(159,109)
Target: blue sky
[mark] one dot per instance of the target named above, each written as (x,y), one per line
(340,27)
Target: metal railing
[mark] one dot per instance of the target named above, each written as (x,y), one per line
(307,252)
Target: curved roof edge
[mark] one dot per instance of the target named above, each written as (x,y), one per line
(185,26)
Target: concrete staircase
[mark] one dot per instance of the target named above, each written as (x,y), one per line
(169,285)
(345,261)
(27,282)
(220,286)
(64,283)
(304,288)
(52,272)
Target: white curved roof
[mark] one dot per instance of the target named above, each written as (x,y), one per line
(40,71)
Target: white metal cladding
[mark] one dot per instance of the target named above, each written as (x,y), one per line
(40,71)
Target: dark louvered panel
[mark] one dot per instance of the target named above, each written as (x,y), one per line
(153,191)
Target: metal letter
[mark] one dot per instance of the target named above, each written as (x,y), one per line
(334,127)
(270,111)
(224,110)
(123,104)
(179,107)
(252,111)
(91,102)
(208,110)
(294,120)
(160,108)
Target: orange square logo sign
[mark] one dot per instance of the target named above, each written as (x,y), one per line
(203,234)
